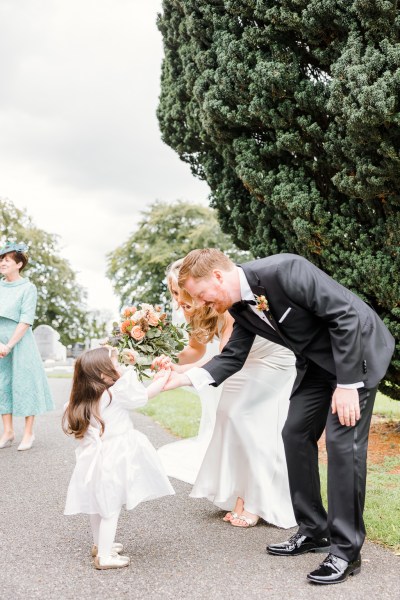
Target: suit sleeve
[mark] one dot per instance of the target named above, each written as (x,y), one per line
(316,292)
(232,357)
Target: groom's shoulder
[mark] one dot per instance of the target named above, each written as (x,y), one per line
(274,260)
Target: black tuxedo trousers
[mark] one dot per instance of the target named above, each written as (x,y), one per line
(309,414)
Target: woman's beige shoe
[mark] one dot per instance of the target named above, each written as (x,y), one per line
(27,445)
(245,522)
(116,549)
(115,561)
(7,442)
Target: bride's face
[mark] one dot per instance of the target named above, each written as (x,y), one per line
(176,294)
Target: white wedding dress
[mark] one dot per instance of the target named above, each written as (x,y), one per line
(246,456)
(182,459)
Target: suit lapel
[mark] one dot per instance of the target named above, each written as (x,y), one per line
(256,287)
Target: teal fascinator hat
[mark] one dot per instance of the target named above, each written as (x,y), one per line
(13,247)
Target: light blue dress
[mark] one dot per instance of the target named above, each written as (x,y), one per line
(24,390)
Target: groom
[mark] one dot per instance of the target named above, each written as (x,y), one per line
(343,350)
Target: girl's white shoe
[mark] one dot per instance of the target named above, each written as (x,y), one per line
(116,549)
(114,561)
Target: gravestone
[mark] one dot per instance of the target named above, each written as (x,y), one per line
(48,342)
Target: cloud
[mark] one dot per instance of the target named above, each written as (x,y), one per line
(80,147)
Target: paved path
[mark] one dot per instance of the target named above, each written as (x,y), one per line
(179,547)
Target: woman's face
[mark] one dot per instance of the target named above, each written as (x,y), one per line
(177,296)
(8,267)
(175,291)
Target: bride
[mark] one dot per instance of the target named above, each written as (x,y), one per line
(182,459)
(244,468)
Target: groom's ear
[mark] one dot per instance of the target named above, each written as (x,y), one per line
(219,275)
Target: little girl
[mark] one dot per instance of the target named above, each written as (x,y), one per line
(115,464)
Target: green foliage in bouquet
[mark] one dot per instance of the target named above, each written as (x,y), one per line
(290,110)
(149,334)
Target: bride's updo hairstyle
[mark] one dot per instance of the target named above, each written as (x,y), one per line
(201,263)
(204,321)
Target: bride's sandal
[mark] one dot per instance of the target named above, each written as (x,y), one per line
(229,516)
(245,522)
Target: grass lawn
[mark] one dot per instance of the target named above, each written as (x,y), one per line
(59,375)
(387,407)
(179,411)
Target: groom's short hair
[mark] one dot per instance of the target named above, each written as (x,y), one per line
(201,263)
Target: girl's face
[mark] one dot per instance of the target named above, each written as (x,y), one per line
(114,359)
(8,267)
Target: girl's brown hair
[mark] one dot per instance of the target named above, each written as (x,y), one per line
(205,322)
(87,388)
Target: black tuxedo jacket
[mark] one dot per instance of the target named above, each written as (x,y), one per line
(314,316)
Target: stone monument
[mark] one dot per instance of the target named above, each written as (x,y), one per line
(48,342)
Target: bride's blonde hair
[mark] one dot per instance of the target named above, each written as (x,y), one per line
(205,323)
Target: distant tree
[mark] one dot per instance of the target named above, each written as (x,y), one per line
(61,300)
(165,233)
(98,323)
(291,112)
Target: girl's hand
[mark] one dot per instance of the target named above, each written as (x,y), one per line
(157,385)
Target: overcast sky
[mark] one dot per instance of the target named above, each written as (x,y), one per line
(80,147)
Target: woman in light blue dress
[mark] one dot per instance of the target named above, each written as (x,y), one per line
(24,391)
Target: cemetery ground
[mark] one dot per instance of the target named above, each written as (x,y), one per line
(179,547)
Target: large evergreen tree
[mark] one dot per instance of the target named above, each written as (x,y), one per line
(61,300)
(290,110)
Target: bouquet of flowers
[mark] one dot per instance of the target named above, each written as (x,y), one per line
(147,332)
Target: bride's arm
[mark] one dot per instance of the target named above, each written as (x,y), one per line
(224,336)
(193,352)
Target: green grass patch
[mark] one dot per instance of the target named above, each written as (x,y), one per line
(59,375)
(178,411)
(382,505)
(386,407)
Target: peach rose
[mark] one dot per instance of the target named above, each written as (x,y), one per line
(152,319)
(126,326)
(129,311)
(137,333)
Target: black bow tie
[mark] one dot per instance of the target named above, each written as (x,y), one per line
(242,304)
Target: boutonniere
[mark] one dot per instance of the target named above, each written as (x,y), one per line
(262,303)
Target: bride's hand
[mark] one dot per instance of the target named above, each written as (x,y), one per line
(161,362)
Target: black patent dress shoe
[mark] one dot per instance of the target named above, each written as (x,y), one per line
(334,570)
(299,544)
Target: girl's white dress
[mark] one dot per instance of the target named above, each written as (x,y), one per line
(246,457)
(121,467)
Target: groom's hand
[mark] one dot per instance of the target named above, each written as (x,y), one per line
(176,380)
(346,403)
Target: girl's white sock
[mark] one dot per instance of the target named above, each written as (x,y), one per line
(107,531)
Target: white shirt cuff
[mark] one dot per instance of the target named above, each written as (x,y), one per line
(199,378)
(351,386)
